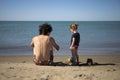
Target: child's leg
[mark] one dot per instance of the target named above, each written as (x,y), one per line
(77,57)
(73,55)
(76,54)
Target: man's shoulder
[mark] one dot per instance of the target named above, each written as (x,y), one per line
(51,37)
(35,37)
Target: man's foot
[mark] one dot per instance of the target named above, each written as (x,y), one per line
(51,62)
(77,63)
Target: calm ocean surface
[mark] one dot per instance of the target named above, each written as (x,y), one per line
(97,37)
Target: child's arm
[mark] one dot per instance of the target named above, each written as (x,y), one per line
(54,43)
(73,41)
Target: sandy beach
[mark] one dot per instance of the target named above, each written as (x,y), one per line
(105,67)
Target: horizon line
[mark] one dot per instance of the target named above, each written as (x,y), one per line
(59,20)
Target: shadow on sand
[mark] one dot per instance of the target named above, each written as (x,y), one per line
(80,64)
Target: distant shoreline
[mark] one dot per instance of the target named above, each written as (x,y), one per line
(56,21)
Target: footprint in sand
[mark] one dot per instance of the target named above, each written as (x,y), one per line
(11,68)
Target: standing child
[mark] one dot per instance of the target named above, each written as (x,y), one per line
(43,45)
(75,40)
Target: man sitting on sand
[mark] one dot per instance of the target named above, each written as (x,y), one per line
(43,45)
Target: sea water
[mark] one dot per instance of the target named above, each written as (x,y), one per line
(96,37)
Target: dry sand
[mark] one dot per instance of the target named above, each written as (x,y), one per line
(22,68)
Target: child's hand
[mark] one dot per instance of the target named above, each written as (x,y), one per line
(71,48)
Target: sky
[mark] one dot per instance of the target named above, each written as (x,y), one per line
(59,10)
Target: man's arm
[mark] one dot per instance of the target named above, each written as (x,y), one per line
(54,43)
(32,43)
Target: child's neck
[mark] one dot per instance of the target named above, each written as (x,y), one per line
(75,31)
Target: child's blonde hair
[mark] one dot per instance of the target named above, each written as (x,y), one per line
(74,26)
